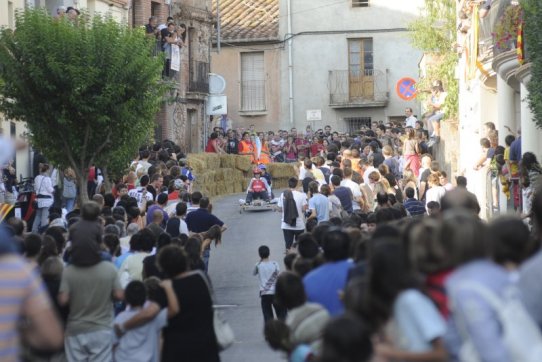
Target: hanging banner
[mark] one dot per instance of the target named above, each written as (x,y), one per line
(175,57)
(473,46)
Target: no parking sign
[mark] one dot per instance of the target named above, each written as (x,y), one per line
(406,88)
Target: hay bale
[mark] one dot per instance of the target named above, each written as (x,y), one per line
(197,165)
(228,161)
(243,163)
(282,170)
(280,183)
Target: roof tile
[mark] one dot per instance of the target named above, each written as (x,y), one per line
(248,20)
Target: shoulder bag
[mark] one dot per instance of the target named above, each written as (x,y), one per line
(223,332)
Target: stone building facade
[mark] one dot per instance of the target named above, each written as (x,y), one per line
(182,116)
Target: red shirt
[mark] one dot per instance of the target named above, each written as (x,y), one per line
(302,147)
(258,185)
(316,148)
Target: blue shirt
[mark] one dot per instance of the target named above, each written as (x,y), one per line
(324,284)
(418,321)
(345,196)
(201,220)
(150,213)
(515,150)
(320,204)
(120,259)
(473,313)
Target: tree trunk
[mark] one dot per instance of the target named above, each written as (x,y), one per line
(107,181)
(82,176)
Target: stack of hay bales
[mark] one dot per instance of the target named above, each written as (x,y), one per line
(218,175)
(281,172)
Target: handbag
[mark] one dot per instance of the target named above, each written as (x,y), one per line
(223,331)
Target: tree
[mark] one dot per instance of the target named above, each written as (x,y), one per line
(88,92)
(533,43)
(434,33)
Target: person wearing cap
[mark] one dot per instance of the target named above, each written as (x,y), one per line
(258,188)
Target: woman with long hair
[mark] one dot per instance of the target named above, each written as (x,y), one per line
(290,150)
(265,155)
(213,144)
(213,234)
(409,180)
(411,153)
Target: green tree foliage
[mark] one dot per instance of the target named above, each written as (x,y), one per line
(533,43)
(88,92)
(434,32)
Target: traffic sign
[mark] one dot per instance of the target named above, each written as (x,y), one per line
(406,88)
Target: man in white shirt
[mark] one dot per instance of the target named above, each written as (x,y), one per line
(354,187)
(410,120)
(435,191)
(293,220)
(141,192)
(367,167)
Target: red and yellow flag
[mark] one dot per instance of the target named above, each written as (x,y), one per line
(520,46)
(4,210)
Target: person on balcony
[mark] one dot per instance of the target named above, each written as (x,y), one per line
(438,96)
(151,30)
(484,8)
(171,36)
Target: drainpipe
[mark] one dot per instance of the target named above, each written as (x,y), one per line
(218,27)
(290,63)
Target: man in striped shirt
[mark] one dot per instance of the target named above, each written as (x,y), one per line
(23,297)
(413,206)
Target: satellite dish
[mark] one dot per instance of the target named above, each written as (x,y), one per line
(217,84)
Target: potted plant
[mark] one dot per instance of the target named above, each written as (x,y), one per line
(506,30)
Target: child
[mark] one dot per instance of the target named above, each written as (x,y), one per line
(268,272)
(141,344)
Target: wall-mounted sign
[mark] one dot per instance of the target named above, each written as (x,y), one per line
(314,115)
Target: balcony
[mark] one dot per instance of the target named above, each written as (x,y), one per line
(358,89)
(199,77)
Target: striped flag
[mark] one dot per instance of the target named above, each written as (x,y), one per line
(4,210)
(520,47)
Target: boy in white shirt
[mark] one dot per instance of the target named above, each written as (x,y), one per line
(268,272)
(141,344)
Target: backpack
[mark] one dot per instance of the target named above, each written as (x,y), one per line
(521,336)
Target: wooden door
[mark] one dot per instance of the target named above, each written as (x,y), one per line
(360,69)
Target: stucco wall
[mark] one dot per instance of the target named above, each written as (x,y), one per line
(7,11)
(228,65)
(314,55)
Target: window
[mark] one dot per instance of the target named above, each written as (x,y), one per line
(354,124)
(11,15)
(360,69)
(360,3)
(252,82)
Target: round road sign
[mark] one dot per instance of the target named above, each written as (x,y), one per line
(406,88)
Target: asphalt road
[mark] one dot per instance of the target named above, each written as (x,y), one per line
(236,289)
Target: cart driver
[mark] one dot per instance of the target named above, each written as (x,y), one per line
(258,188)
